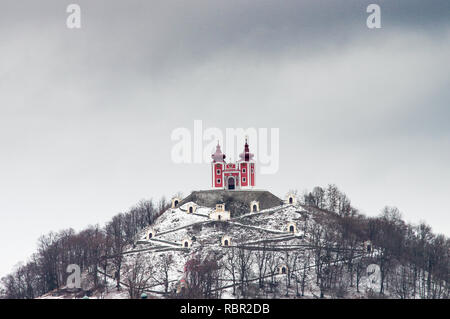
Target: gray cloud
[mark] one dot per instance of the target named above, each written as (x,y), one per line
(86,115)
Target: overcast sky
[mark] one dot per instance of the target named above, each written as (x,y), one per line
(86,115)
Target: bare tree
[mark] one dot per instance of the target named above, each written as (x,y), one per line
(117,239)
(272,265)
(230,265)
(136,276)
(261,257)
(162,276)
(244,263)
(359,271)
(203,277)
(305,273)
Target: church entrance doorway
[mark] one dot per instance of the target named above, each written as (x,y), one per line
(231,183)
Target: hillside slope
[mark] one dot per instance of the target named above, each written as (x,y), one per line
(264,235)
(283,251)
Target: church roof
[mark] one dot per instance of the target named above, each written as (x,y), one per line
(246,155)
(218,156)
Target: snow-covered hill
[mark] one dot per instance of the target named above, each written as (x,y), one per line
(280,257)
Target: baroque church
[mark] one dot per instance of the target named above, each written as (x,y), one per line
(231,176)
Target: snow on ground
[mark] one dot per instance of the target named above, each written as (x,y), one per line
(176,218)
(176,225)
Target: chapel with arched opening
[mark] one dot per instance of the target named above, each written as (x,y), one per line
(292,228)
(150,233)
(220,213)
(283,269)
(291,199)
(367,246)
(190,208)
(186,243)
(254,206)
(226,241)
(175,202)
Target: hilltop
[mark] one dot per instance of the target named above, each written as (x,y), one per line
(237,201)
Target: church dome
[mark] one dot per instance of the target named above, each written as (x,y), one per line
(218,156)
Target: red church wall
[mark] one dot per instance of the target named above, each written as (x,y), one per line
(244,174)
(218,175)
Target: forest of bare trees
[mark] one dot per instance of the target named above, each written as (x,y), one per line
(90,249)
(413,261)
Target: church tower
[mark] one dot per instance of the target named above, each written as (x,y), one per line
(217,166)
(247,167)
